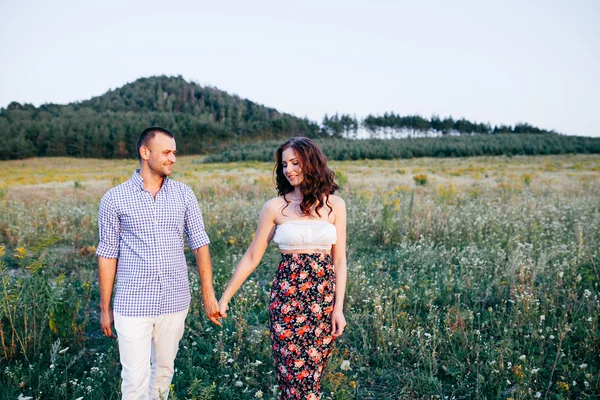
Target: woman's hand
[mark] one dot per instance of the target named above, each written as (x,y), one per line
(338,323)
(223,307)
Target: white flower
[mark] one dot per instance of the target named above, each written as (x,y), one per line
(239,383)
(534,370)
(522,358)
(538,395)
(21,397)
(583,366)
(561,274)
(542,317)
(345,365)
(258,394)
(587,293)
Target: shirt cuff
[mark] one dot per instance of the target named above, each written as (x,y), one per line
(199,240)
(107,251)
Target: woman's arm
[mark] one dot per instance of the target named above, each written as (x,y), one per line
(262,237)
(338,252)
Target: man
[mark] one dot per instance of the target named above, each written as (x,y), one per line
(141,224)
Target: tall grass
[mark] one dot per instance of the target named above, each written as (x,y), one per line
(474,290)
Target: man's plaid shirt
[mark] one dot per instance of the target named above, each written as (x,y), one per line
(145,234)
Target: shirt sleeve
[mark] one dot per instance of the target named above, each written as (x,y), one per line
(194,223)
(109,228)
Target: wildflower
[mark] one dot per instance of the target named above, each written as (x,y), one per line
(523,357)
(21,397)
(239,383)
(562,386)
(258,394)
(587,293)
(538,395)
(534,370)
(345,365)
(583,366)
(2,251)
(542,318)
(20,252)
(518,371)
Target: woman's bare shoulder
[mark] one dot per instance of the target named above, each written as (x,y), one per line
(274,204)
(336,201)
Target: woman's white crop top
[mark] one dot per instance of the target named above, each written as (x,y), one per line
(305,234)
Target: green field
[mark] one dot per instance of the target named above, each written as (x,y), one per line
(469,278)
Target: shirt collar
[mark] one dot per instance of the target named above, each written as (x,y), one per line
(138,181)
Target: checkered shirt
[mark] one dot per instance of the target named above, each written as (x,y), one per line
(145,234)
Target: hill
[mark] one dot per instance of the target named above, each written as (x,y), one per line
(202,118)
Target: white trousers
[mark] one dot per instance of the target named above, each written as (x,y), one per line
(147,349)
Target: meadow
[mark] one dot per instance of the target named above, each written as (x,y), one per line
(469,278)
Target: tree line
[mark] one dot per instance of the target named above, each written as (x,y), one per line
(204,120)
(448,146)
(391,125)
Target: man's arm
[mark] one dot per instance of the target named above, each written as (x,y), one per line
(211,306)
(107,268)
(109,228)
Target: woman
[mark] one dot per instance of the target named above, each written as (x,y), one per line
(308,222)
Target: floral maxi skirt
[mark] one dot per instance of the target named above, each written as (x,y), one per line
(302,298)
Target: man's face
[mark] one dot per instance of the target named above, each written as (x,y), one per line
(160,154)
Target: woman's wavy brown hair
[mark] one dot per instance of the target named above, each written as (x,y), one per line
(318,180)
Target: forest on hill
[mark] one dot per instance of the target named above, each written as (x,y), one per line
(206,120)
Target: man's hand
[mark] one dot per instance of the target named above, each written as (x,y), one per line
(211,307)
(107,320)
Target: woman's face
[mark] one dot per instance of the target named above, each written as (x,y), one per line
(291,167)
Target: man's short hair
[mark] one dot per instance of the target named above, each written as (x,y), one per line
(147,135)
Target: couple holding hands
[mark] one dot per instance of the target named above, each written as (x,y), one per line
(141,224)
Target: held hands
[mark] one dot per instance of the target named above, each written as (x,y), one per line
(211,307)
(338,323)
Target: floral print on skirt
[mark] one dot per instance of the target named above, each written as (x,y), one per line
(302,298)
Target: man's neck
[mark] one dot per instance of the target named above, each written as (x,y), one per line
(152,181)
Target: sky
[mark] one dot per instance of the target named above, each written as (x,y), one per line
(501,62)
